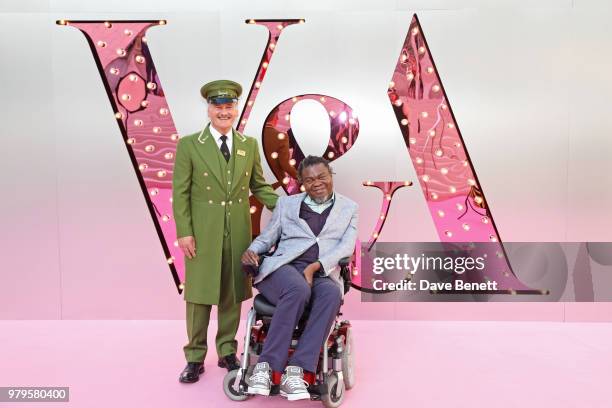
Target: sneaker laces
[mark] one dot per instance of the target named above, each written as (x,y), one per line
(260,376)
(295,381)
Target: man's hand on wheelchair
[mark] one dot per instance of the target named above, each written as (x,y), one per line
(250,258)
(250,263)
(310,271)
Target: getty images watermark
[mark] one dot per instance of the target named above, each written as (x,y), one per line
(486,271)
(413,264)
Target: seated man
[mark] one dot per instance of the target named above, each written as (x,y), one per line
(316,229)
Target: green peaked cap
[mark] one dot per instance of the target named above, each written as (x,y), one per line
(221,91)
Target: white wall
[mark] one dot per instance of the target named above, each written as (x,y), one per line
(528,82)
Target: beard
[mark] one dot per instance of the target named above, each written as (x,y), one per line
(321,200)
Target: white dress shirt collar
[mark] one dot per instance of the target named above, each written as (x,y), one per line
(217,136)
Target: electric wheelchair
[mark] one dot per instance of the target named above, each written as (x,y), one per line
(335,370)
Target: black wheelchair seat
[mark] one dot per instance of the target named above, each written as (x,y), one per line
(262,306)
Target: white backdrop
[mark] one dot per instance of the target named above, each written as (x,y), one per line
(528,83)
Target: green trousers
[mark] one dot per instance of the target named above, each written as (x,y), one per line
(228,315)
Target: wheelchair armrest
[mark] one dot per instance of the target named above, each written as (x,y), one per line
(345,272)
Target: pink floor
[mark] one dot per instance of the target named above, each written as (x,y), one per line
(400,363)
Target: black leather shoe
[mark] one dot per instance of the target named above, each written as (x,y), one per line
(230,362)
(191,373)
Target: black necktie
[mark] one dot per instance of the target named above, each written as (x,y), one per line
(224,149)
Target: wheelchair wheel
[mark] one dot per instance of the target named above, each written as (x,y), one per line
(348,360)
(228,387)
(335,392)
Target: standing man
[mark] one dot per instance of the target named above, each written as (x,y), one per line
(213,173)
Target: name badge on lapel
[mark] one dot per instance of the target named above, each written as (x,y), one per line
(240,152)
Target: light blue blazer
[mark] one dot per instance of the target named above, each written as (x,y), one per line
(336,240)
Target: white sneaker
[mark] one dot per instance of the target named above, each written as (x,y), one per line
(259,381)
(293,386)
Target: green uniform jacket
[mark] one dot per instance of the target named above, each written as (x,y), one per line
(211,200)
